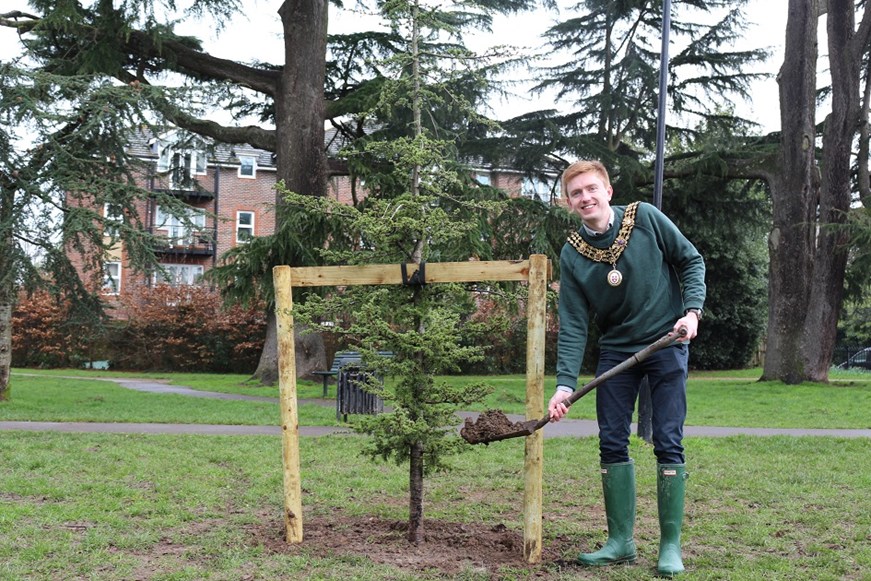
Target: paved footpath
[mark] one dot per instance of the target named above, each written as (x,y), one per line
(564,428)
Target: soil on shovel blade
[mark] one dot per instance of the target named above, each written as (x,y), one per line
(489,425)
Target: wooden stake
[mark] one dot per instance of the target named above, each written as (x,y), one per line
(287,396)
(536,313)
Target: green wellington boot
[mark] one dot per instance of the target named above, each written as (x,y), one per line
(670,487)
(618,485)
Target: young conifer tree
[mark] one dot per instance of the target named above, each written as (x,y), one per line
(422,205)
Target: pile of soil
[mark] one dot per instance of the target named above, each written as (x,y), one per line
(488,427)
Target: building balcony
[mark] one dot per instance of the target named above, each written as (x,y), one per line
(187,243)
(188,193)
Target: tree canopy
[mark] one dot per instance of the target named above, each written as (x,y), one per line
(608,75)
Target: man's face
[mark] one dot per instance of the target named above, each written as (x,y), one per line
(590,199)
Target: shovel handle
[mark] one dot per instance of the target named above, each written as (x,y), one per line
(530,428)
(663,341)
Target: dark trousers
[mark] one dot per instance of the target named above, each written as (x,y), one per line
(666,372)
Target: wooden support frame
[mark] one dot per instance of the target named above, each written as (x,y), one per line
(535,271)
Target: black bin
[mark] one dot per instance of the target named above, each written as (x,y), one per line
(351,395)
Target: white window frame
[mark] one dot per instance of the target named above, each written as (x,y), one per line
(176,228)
(112,215)
(536,188)
(181,274)
(483,178)
(240,227)
(253,166)
(111,283)
(192,161)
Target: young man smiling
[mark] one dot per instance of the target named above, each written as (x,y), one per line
(632,272)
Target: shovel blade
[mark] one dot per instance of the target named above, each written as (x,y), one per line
(484,430)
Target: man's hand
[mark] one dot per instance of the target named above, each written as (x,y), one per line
(556,408)
(690,322)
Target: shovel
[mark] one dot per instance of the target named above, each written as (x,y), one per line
(493,425)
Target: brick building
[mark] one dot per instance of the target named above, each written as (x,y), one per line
(228,191)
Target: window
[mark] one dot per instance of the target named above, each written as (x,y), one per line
(179,274)
(181,164)
(111,278)
(536,188)
(113,216)
(181,230)
(482,178)
(247,166)
(244,226)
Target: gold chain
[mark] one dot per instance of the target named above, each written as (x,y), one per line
(611,254)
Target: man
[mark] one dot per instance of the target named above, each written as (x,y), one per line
(631,271)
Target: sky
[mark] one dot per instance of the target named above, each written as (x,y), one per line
(767,27)
(257,36)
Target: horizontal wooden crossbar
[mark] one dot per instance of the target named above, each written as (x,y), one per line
(472,271)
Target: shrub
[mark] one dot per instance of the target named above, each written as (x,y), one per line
(188,329)
(44,333)
(161,328)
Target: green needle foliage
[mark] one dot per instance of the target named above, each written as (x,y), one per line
(68,191)
(421,206)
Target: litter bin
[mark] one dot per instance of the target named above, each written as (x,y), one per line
(351,395)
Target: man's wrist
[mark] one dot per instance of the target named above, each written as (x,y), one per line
(697,312)
(564,388)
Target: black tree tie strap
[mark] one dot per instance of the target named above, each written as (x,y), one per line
(418,278)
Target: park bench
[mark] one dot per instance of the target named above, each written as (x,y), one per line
(339,360)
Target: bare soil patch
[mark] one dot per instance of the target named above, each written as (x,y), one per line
(448,550)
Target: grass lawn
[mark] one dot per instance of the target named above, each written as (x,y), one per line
(163,507)
(733,398)
(120,507)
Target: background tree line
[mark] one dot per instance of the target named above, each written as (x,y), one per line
(726,185)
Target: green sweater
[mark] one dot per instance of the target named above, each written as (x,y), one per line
(663,275)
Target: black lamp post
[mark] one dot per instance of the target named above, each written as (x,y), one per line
(645,407)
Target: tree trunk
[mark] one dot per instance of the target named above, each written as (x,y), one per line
(808,246)
(311,353)
(794,195)
(5,348)
(7,283)
(416,459)
(415,496)
(830,259)
(267,366)
(301,161)
(299,102)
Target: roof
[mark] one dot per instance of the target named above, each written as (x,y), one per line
(145,145)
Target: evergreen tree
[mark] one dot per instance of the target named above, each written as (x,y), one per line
(608,83)
(135,43)
(735,251)
(63,161)
(422,205)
